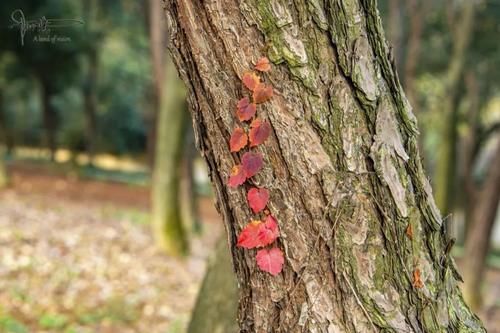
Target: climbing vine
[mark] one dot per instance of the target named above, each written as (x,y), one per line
(261,232)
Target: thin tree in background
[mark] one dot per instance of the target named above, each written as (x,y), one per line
(461,26)
(481,198)
(364,244)
(166,216)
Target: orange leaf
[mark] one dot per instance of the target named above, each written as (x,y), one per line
(237,176)
(409,231)
(238,140)
(268,231)
(251,80)
(259,132)
(417,281)
(262,93)
(257,198)
(249,236)
(245,110)
(251,163)
(263,65)
(270,261)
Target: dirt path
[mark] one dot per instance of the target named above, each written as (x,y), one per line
(76,256)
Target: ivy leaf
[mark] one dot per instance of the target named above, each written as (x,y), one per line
(245,110)
(270,261)
(237,176)
(268,231)
(238,140)
(251,80)
(249,236)
(262,93)
(251,163)
(257,198)
(263,65)
(259,132)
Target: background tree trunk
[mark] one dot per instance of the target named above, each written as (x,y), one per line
(217,301)
(90,84)
(6,133)
(166,199)
(359,227)
(480,228)
(4,179)
(446,171)
(90,103)
(417,11)
(49,117)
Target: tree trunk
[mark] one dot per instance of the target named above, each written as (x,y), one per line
(217,301)
(477,243)
(49,117)
(191,216)
(90,102)
(4,179)
(3,171)
(417,11)
(395,31)
(166,199)
(6,132)
(445,173)
(364,244)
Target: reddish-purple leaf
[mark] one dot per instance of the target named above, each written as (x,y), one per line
(251,80)
(270,261)
(262,93)
(259,132)
(245,111)
(238,140)
(257,199)
(251,163)
(237,176)
(268,231)
(249,236)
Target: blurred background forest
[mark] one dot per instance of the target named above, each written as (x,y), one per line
(107,221)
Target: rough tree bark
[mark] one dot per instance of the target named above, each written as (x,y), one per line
(357,218)
(166,215)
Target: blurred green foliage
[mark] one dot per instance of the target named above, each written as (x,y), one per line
(117,29)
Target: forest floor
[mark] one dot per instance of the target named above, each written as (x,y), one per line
(76,256)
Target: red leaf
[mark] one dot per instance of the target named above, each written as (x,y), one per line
(262,93)
(268,231)
(251,163)
(251,80)
(245,110)
(257,199)
(237,176)
(259,132)
(270,261)
(238,140)
(249,236)
(263,65)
